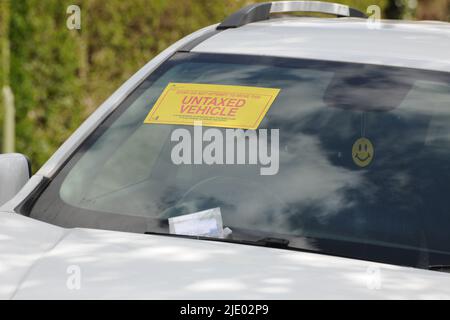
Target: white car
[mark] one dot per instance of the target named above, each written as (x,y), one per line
(354,203)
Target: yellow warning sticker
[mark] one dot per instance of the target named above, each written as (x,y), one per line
(214,105)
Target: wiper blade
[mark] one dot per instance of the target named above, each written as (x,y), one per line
(274,242)
(440,267)
(265,242)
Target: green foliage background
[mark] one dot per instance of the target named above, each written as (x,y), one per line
(60,76)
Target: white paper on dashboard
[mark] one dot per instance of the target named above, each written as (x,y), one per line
(206,223)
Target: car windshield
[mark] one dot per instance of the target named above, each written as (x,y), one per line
(349,160)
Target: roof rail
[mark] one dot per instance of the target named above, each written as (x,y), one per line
(262,11)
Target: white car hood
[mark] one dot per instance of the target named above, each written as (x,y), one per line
(40,261)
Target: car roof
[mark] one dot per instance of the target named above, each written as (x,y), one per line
(422,45)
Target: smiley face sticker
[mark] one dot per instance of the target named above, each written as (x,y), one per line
(362,152)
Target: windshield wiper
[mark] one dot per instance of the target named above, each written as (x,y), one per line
(440,267)
(265,242)
(274,242)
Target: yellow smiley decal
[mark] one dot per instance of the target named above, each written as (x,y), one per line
(362,152)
